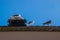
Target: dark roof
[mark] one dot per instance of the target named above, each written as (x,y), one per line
(16,15)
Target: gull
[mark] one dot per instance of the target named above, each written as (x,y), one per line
(31,23)
(47,23)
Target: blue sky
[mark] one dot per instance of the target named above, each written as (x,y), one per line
(38,10)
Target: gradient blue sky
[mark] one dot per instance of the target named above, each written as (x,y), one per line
(38,10)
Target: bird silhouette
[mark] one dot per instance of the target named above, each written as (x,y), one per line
(31,23)
(47,23)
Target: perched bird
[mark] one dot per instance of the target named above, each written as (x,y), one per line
(47,23)
(31,23)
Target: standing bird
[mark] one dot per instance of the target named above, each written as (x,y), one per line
(31,23)
(47,23)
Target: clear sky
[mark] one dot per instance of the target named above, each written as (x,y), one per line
(38,10)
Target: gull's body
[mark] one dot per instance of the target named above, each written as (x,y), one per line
(31,23)
(47,23)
